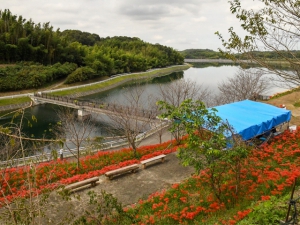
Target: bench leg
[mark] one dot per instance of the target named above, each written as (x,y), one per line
(144,166)
(162,159)
(133,171)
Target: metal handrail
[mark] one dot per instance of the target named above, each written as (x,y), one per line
(45,157)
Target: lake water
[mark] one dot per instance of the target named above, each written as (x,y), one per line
(207,76)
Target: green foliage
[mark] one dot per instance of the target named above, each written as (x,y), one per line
(123,54)
(12,101)
(133,76)
(267,212)
(103,209)
(206,142)
(269,26)
(201,54)
(278,95)
(84,38)
(204,129)
(22,40)
(297,104)
(32,75)
(80,74)
(54,154)
(210,54)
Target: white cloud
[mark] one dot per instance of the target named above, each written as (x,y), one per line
(200,19)
(157,37)
(180,24)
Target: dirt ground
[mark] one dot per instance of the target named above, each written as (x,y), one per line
(288,101)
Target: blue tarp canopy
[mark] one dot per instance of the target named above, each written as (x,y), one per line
(250,118)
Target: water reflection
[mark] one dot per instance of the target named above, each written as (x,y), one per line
(204,74)
(150,89)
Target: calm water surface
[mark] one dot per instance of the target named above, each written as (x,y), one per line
(208,77)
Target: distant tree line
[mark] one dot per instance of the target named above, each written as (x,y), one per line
(210,54)
(201,54)
(274,55)
(23,40)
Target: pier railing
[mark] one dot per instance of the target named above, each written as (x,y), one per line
(95,104)
(105,146)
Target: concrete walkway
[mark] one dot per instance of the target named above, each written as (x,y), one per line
(127,188)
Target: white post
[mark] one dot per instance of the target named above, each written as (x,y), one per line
(82,113)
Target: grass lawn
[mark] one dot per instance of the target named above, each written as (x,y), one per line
(116,80)
(12,101)
(91,86)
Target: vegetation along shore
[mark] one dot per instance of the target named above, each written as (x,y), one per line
(194,168)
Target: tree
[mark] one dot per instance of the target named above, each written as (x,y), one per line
(21,201)
(207,138)
(28,201)
(274,28)
(80,74)
(10,147)
(203,144)
(159,126)
(132,117)
(76,132)
(245,84)
(178,91)
(24,49)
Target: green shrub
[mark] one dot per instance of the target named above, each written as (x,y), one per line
(80,74)
(32,75)
(267,212)
(297,104)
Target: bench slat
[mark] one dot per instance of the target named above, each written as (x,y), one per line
(153,158)
(122,170)
(144,162)
(91,181)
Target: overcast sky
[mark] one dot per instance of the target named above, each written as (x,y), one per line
(181,24)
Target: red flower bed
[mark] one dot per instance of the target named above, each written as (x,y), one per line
(268,171)
(15,181)
(156,153)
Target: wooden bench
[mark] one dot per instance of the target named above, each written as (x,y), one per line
(92,181)
(161,157)
(132,168)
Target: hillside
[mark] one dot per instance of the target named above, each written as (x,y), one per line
(43,54)
(201,54)
(291,100)
(211,54)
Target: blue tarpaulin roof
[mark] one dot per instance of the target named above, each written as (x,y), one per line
(250,118)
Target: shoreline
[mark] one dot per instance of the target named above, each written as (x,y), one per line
(125,78)
(83,90)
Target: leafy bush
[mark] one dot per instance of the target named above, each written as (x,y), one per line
(80,74)
(297,104)
(266,172)
(32,75)
(267,212)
